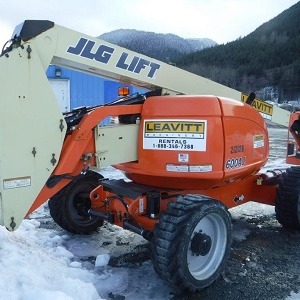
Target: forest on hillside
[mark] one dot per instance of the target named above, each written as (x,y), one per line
(266,61)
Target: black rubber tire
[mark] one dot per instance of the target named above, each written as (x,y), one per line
(64,206)
(287,203)
(171,243)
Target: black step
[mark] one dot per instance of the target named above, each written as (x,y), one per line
(126,189)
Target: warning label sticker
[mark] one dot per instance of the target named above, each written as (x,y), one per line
(19,182)
(258,141)
(175,135)
(183,157)
(188,168)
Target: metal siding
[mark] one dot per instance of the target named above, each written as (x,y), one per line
(85,89)
(89,90)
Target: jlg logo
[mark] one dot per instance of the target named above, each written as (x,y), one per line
(103,53)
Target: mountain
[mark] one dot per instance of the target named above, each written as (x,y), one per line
(266,61)
(164,47)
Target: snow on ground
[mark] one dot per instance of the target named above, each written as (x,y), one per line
(37,262)
(43,263)
(293,296)
(34,264)
(46,263)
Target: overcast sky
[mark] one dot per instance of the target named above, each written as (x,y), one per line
(220,20)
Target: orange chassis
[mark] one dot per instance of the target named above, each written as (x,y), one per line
(257,187)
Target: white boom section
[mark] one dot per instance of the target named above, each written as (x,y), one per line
(32,127)
(31,133)
(96,56)
(99,57)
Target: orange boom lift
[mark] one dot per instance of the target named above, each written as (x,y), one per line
(187,156)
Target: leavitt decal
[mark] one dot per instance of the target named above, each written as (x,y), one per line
(265,109)
(187,135)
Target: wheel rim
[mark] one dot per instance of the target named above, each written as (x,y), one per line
(79,204)
(207,246)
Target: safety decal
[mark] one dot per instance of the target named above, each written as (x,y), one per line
(183,157)
(200,168)
(258,141)
(188,135)
(189,168)
(177,168)
(19,182)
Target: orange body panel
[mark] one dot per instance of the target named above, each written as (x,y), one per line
(230,143)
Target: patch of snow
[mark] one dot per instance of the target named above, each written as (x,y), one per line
(102,260)
(293,296)
(35,265)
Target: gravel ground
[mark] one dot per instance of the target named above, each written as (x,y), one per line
(263,266)
(264,262)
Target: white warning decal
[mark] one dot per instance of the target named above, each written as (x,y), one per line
(187,135)
(258,141)
(19,182)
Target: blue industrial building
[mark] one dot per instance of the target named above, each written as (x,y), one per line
(75,89)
